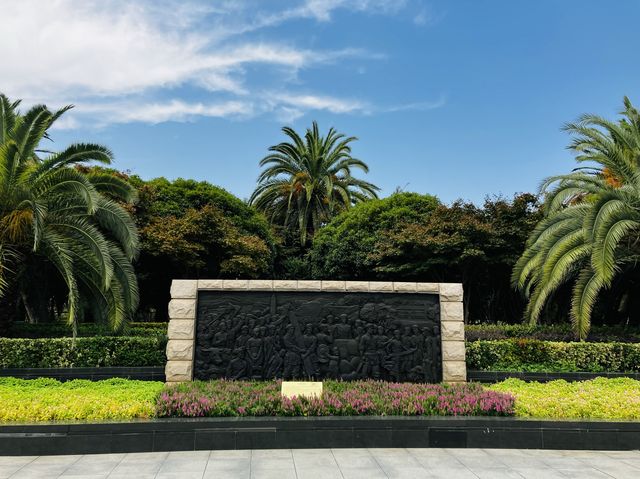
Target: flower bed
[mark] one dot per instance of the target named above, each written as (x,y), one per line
(240,398)
(33,400)
(599,398)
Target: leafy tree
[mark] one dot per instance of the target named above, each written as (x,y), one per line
(343,249)
(60,226)
(467,244)
(590,231)
(308,181)
(192,229)
(412,237)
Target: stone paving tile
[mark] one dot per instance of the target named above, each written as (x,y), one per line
(331,463)
(317,472)
(274,474)
(496,473)
(365,473)
(538,473)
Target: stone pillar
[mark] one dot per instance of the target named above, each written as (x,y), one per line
(454,366)
(182,326)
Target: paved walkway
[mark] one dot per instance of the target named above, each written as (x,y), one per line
(331,463)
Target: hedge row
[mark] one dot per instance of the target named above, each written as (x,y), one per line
(552,356)
(62,330)
(553,332)
(84,352)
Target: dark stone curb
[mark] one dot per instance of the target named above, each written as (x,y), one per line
(144,373)
(316,432)
(497,376)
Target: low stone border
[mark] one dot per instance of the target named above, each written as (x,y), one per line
(498,376)
(143,373)
(184,302)
(316,432)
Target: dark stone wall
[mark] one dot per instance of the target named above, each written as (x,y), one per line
(300,335)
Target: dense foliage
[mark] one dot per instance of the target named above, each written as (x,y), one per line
(308,181)
(61,330)
(50,400)
(552,356)
(412,237)
(61,230)
(82,352)
(255,398)
(599,398)
(344,248)
(192,229)
(550,332)
(591,228)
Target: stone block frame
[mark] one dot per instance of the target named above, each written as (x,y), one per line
(184,298)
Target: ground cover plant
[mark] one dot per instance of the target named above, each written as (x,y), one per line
(262,398)
(552,356)
(121,399)
(50,400)
(599,398)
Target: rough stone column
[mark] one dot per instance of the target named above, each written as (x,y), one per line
(454,366)
(182,322)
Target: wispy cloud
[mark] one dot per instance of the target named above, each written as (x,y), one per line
(122,61)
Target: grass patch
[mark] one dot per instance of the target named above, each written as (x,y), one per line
(600,398)
(32,400)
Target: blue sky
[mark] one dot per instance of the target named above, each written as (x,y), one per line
(461,99)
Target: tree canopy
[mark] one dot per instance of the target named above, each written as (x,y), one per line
(193,229)
(591,227)
(306,182)
(62,231)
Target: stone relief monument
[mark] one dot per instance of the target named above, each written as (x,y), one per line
(309,335)
(314,330)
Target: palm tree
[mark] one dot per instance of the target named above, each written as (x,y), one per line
(54,216)
(591,229)
(307,181)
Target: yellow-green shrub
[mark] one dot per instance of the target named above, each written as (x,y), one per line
(28,400)
(599,398)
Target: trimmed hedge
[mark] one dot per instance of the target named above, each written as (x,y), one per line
(551,356)
(552,332)
(84,352)
(62,330)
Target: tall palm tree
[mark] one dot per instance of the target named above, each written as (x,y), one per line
(55,216)
(591,229)
(307,181)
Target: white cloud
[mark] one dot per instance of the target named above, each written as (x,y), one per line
(170,110)
(303,102)
(122,61)
(417,106)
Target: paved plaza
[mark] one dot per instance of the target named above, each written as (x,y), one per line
(331,463)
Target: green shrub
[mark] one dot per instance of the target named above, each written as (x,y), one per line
(50,400)
(550,356)
(599,398)
(61,330)
(552,332)
(84,352)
